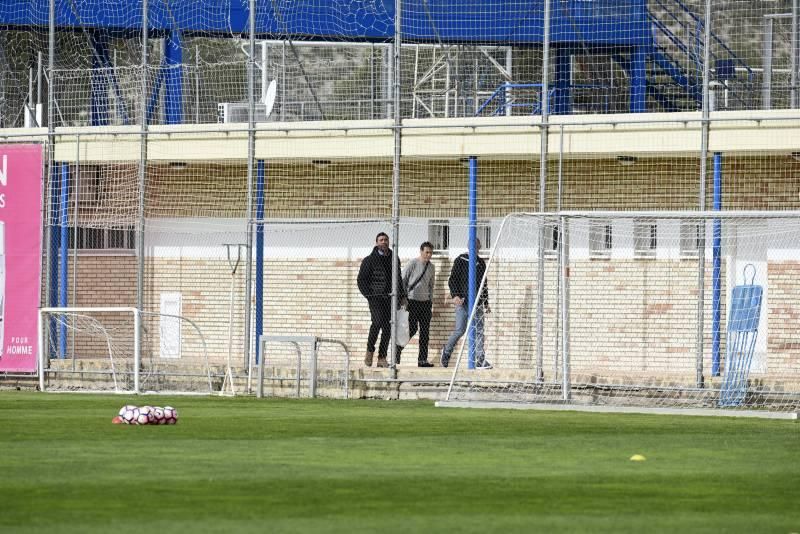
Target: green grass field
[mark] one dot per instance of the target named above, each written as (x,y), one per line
(247,465)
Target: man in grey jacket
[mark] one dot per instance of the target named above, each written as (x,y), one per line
(419,277)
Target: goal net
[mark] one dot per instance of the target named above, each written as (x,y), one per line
(122,350)
(647,310)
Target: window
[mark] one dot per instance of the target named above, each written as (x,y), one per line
(690,239)
(645,238)
(484,233)
(108,239)
(439,235)
(600,238)
(552,238)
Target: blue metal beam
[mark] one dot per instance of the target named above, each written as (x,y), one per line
(63,256)
(488,21)
(103,72)
(173,78)
(638,95)
(260,185)
(98,108)
(562,97)
(55,245)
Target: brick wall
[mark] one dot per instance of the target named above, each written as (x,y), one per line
(642,311)
(102,281)
(438,188)
(637,316)
(783,343)
(205,288)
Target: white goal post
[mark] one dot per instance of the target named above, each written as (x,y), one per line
(637,310)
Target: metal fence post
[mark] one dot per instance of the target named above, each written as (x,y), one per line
(137,350)
(398,123)
(566,393)
(543,132)
(251,152)
(312,379)
(141,211)
(701,262)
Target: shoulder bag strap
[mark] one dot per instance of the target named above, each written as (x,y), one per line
(419,278)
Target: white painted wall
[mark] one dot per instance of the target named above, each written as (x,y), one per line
(200,238)
(205,238)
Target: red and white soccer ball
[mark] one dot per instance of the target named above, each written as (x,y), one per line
(158,416)
(170,415)
(151,414)
(144,415)
(129,414)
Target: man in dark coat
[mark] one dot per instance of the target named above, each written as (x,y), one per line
(375,283)
(459,290)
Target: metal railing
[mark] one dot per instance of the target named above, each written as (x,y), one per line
(312,343)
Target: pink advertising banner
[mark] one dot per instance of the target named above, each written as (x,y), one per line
(20,254)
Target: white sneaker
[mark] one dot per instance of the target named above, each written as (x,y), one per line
(484,365)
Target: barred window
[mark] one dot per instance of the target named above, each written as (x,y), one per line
(600,238)
(484,233)
(439,235)
(552,239)
(106,239)
(690,239)
(645,238)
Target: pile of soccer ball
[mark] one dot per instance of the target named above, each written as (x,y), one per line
(146,415)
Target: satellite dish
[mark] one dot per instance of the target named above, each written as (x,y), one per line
(269,98)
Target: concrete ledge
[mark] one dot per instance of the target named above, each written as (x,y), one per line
(584,136)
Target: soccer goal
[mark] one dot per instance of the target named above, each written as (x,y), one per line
(122,350)
(638,311)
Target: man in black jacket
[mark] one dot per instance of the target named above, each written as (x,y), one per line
(375,283)
(459,292)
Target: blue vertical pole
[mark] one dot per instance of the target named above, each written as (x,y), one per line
(260,179)
(717,259)
(55,243)
(64,256)
(638,94)
(173,86)
(562,101)
(98,108)
(472,287)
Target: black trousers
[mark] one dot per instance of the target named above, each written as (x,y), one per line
(419,317)
(380,310)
